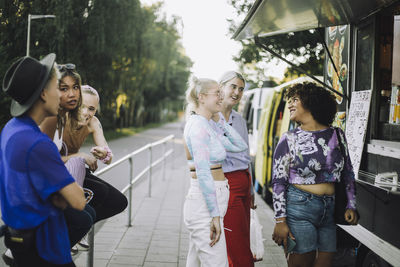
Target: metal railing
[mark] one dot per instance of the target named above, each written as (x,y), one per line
(133,180)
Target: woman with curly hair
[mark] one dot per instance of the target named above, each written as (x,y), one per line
(307,162)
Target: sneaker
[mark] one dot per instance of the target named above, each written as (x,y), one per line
(74,250)
(8,257)
(83,244)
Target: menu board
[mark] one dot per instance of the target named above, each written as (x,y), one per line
(338,42)
(356,126)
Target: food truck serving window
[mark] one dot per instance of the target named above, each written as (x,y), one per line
(364,57)
(385,110)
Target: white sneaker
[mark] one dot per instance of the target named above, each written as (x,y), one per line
(74,250)
(9,254)
(83,244)
(8,257)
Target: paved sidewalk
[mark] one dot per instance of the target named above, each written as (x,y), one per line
(158,236)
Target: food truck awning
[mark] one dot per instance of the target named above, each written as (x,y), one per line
(272,17)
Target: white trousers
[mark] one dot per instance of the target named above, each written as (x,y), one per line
(197,219)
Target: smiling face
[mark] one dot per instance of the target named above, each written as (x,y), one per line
(212,99)
(232,91)
(90,103)
(70,93)
(297,112)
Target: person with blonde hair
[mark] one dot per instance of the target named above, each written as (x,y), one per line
(236,167)
(103,197)
(207,199)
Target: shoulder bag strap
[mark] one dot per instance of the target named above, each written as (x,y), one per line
(340,142)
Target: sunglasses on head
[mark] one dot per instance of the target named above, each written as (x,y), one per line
(65,67)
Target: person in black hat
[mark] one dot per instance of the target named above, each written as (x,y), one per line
(35,186)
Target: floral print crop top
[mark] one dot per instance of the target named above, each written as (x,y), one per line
(303,157)
(207,148)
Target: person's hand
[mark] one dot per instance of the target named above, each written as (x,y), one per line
(102,153)
(215,117)
(281,233)
(215,230)
(99,152)
(90,160)
(59,201)
(252,201)
(351,217)
(110,159)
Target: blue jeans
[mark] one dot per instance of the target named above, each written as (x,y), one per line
(310,219)
(79,222)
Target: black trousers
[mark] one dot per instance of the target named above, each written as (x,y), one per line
(106,200)
(28,256)
(79,222)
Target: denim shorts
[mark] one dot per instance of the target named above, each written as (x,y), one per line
(310,219)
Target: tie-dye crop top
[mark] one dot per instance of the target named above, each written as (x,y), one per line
(303,157)
(207,148)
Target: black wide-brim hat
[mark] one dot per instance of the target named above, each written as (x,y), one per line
(25,80)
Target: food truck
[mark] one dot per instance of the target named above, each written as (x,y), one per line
(362,67)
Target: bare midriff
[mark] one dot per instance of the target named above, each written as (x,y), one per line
(318,189)
(216,172)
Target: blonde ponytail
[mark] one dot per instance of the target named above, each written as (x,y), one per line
(196,87)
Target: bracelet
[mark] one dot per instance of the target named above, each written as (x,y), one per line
(282,221)
(109,155)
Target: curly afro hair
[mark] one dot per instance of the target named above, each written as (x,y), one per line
(319,101)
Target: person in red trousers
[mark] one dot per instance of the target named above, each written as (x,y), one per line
(236,169)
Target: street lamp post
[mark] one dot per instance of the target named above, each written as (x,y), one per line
(31,17)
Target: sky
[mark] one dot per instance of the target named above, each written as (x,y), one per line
(205,35)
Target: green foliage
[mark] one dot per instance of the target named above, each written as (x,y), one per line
(302,48)
(119,47)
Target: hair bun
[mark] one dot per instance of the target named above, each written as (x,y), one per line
(194,80)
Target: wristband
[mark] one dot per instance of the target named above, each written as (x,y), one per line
(282,221)
(109,155)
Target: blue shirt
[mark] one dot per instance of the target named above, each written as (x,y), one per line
(31,170)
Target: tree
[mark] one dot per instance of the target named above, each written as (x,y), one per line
(119,47)
(304,48)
